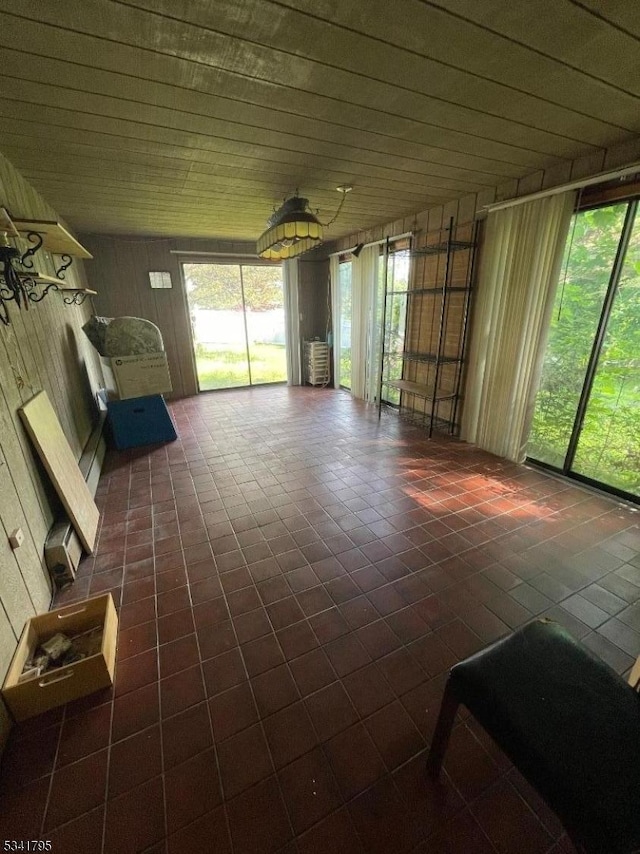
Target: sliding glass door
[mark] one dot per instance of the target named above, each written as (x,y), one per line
(346,311)
(238,324)
(394,284)
(587,413)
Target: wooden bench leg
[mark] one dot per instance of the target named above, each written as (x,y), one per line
(440,740)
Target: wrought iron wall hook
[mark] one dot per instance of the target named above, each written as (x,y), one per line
(28,286)
(67,261)
(36,238)
(34,297)
(14,288)
(77,299)
(4,313)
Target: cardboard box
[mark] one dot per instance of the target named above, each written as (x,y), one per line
(61,685)
(140,376)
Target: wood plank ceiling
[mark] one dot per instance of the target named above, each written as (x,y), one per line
(196,117)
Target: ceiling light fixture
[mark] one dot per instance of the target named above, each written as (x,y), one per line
(294,229)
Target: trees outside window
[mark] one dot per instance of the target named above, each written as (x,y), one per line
(606,446)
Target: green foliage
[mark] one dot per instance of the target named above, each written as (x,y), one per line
(346,307)
(219,286)
(345,367)
(226,368)
(609,446)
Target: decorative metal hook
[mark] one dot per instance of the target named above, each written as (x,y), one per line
(37,239)
(34,297)
(13,289)
(77,299)
(67,262)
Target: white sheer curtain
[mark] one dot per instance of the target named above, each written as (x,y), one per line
(292,321)
(365,337)
(377,278)
(521,258)
(334,276)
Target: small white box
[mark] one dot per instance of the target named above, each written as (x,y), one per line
(139,376)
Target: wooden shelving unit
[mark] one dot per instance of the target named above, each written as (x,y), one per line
(53,283)
(40,277)
(427,370)
(55,237)
(6,224)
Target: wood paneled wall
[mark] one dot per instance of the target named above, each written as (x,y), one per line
(120,274)
(472,207)
(313,290)
(43,348)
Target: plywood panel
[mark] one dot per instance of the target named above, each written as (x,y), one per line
(44,428)
(41,349)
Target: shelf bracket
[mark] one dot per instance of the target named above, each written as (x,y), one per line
(67,261)
(34,297)
(27,258)
(77,299)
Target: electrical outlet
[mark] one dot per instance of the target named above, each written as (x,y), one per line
(16,538)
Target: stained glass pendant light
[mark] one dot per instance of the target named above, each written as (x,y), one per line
(294,229)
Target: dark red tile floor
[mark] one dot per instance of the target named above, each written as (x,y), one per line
(294,578)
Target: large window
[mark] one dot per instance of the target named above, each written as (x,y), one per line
(396,279)
(346,315)
(587,413)
(238,324)
(358,305)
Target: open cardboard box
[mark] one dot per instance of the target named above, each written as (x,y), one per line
(141,375)
(61,685)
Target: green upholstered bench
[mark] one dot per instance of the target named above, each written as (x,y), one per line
(566,720)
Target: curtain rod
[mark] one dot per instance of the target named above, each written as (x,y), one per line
(216,254)
(563,188)
(372,243)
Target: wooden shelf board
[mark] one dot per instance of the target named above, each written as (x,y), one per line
(55,237)
(39,277)
(420,419)
(412,292)
(431,358)
(6,224)
(417,389)
(441,248)
(52,280)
